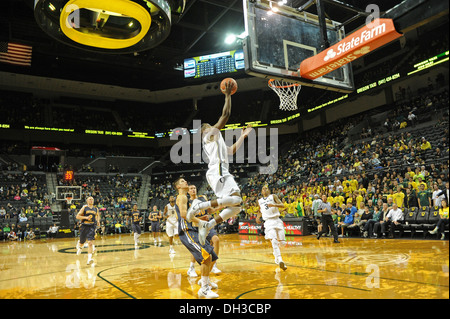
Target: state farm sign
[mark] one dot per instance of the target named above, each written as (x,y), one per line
(369,38)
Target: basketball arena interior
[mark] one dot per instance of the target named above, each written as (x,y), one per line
(98,99)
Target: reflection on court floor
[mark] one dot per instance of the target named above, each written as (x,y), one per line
(356,268)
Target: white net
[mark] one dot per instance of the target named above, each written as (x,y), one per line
(287,92)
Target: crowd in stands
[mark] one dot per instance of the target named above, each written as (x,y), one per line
(114,196)
(23,198)
(360,163)
(384,164)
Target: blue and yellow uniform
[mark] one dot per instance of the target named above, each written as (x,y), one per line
(155,224)
(87,228)
(135,221)
(189,237)
(202,213)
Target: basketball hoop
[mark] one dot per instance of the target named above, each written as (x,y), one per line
(69,200)
(287,92)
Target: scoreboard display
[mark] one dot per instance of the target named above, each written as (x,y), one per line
(214,64)
(68,175)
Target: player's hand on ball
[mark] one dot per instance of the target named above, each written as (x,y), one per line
(228,88)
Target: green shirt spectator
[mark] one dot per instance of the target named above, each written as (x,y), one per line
(424,198)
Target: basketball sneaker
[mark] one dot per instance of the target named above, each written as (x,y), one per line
(212,284)
(206,292)
(282,265)
(78,248)
(193,209)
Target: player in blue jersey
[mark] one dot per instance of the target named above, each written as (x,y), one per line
(90,219)
(212,237)
(203,254)
(155,217)
(136,218)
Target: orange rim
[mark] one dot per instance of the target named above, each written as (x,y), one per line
(281,86)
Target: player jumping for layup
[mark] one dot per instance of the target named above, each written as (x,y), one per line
(218,176)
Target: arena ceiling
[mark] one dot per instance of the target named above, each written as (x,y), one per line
(200,30)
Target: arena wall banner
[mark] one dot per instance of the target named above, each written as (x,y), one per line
(293,227)
(249,227)
(361,42)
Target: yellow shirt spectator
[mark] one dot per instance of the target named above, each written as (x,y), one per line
(425,145)
(359,200)
(354,185)
(443,212)
(399,198)
(340,199)
(330,200)
(307,203)
(291,208)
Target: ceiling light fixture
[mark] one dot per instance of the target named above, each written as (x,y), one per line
(119,26)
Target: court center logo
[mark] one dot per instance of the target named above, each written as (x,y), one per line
(253,149)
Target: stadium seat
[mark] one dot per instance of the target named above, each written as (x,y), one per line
(433,219)
(421,220)
(410,220)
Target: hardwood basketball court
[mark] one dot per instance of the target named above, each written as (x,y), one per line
(354,269)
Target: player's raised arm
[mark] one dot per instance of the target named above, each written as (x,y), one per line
(226,111)
(245,132)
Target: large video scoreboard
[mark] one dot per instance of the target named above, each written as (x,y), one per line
(214,64)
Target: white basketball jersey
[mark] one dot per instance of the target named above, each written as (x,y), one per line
(266,211)
(171,213)
(216,150)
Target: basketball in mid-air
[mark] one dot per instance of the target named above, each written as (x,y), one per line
(233,81)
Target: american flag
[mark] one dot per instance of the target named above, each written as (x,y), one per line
(14,53)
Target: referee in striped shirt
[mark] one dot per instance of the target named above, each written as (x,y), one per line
(327,219)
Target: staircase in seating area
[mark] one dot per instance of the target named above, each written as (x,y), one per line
(51,189)
(142,201)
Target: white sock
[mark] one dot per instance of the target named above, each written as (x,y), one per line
(204,205)
(192,266)
(225,215)
(205,281)
(276,249)
(224,201)
(89,256)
